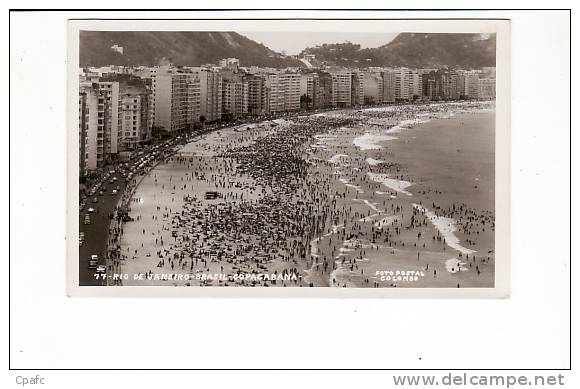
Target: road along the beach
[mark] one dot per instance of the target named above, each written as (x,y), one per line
(97,232)
(397,196)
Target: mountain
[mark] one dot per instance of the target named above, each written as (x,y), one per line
(98,48)
(466,51)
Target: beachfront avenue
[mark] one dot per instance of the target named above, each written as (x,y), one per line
(101,210)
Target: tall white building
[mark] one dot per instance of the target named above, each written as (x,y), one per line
(233,98)
(255,94)
(134,120)
(487,88)
(341,88)
(416,85)
(283,92)
(176,98)
(98,123)
(309,88)
(402,83)
(210,82)
(408,84)
(193,99)
(450,89)
(89,136)
(110,111)
(470,83)
(357,95)
(389,86)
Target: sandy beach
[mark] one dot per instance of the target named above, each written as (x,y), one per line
(398,196)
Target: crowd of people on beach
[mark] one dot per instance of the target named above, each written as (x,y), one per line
(282,205)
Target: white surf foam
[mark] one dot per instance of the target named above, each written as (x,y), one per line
(379,109)
(369,141)
(338,159)
(314,242)
(314,247)
(324,137)
(372,206)
(387,221)
(374,162)
(369,217)
(346,182)
(454,265)
(335,229)
(318,146)
(446,227)
(391,183)
(406,124)
(342,274)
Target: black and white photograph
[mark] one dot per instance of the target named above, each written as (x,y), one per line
(279,159)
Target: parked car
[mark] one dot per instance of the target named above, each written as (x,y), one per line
(114,192)
(93,261)
(87,220)
(211,195)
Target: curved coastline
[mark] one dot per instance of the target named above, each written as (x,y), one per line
(343,276)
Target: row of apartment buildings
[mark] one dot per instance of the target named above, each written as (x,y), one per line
(120,106)
(346,88)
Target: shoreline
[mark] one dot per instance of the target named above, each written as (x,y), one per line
(310,266)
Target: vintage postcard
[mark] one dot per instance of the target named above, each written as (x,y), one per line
(295,158)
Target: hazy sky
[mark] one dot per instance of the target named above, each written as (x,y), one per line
(294,42)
